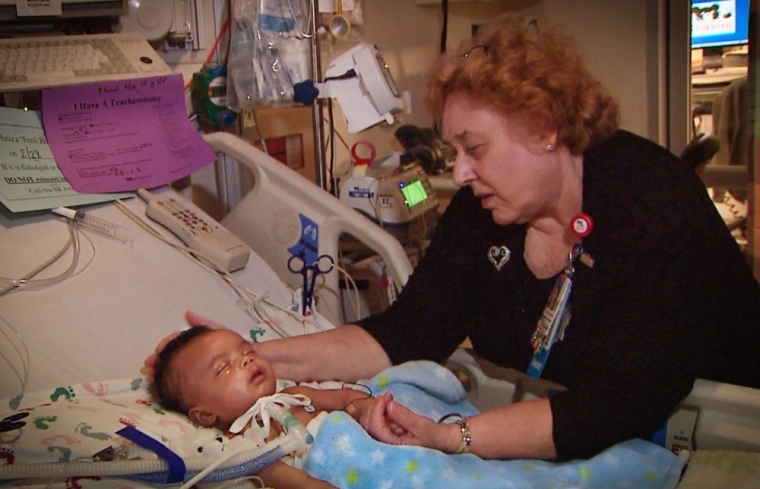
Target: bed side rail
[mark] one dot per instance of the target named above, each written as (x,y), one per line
(284,207)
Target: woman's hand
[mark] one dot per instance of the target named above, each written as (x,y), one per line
(370,413)
(391,422)
(193,319)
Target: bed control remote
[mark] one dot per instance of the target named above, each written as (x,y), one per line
(197,229)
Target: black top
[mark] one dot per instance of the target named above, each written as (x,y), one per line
(670,298)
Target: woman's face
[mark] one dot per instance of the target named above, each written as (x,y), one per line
(512,173)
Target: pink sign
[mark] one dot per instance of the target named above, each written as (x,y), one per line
(124,135)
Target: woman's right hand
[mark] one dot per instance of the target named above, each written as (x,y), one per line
(192,319)
(391,422)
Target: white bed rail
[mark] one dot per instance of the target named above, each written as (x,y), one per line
(269,220)
(729,416)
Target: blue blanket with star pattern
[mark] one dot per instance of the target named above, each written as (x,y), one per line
(346,456)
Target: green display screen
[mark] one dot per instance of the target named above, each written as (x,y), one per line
(414,193)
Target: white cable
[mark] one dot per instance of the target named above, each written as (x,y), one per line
(373,202)
(27,280)
(92,257)
(356,306)
(208,263)
(23,356)
(355,300)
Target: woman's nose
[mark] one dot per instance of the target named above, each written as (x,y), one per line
(463,173)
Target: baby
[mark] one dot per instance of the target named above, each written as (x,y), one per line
(214,376)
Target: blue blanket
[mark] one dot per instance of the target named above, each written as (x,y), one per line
(346,456)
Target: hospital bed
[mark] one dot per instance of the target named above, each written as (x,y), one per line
(100,323)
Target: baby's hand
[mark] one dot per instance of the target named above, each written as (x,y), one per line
(378,424)
(359,408)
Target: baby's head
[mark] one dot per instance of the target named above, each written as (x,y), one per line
(212,375)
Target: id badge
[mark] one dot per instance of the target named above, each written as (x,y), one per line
(552,321)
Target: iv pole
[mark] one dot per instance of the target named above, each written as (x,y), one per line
(317,113)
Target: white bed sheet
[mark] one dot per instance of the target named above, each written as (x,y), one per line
(102,323)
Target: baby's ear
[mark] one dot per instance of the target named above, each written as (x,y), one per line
(202,417)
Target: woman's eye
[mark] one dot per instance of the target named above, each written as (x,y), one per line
(474,149)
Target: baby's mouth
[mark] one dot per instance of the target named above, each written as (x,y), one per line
(256,375)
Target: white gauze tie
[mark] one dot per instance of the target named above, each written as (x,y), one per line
(258,410)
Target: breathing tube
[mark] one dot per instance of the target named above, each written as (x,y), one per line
(236,464)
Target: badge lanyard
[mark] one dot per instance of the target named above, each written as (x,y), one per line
(555,317)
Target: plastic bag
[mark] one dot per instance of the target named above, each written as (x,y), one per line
(270,51)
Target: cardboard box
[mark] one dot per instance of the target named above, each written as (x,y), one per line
(288,133)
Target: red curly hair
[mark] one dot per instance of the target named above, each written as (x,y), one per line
(532,72)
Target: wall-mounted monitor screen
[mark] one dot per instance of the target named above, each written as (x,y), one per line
(719,23)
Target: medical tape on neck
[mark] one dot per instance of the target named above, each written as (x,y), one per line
(259,412)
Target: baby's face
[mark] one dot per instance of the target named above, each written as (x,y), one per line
(221,373)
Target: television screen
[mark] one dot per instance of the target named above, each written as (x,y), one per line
(719,23)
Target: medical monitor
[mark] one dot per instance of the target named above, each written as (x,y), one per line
(414,192)
(718,24)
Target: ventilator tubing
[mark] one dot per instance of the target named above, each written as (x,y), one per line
(254,460)
(234,465)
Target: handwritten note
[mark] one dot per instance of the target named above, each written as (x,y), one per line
(30,179)
(123,135)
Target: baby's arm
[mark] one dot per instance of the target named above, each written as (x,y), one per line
(356,403)
(283,476)
(359,405)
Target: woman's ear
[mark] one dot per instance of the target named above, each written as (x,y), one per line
(551,140)
(540,139)
(202,417)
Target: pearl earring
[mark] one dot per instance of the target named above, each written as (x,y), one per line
(550,147)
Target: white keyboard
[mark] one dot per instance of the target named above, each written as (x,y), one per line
(44,62)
